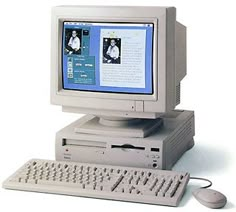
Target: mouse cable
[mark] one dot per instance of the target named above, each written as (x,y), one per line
(203,179)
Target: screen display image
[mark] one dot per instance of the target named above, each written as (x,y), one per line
(107,57)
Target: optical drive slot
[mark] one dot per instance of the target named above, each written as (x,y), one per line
(85,144)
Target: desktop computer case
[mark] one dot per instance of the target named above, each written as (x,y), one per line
(160,150)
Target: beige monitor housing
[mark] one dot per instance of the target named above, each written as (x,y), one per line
(169,63)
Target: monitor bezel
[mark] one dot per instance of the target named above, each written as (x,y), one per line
(109,95)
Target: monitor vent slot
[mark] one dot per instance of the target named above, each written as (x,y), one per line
(177,94)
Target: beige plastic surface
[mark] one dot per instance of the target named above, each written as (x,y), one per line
(133,129)
(169,62)
(159,150)
(100,181)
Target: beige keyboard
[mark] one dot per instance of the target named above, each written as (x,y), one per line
(100,181)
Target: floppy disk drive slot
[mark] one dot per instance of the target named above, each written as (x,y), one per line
(128,146)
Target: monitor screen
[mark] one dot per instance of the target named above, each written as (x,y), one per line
(107,57)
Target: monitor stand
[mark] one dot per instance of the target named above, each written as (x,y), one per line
(115,126)
(156,144)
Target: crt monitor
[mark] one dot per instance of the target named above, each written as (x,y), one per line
(124,62)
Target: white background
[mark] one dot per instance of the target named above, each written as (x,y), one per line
(28,122)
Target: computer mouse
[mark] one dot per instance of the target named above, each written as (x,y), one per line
(210,198)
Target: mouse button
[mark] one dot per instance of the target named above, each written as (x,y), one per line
(215,196)
(209,195)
